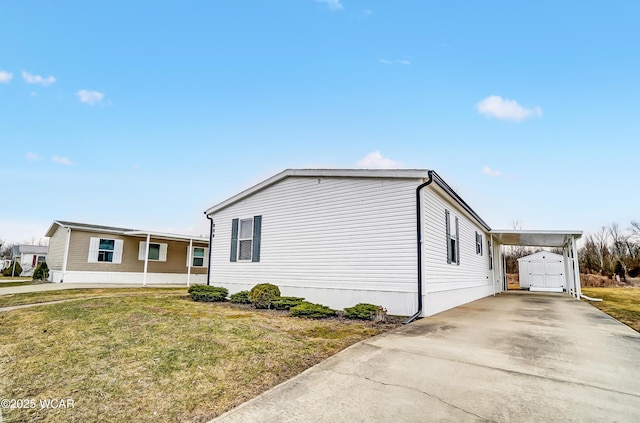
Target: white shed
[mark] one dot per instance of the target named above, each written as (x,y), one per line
(542,271)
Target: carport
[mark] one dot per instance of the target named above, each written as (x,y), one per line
(549,239)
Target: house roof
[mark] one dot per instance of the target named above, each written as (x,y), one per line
(536,238)
(418,174)
(30,249)
(120,231)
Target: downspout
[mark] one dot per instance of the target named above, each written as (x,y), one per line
(419,246)
(210,249)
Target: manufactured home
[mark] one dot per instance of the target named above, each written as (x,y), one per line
(402,238)
(29,257)
(84,253)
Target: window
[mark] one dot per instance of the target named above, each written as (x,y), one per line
(490,250)
(105,250)
(453,239)
(199,256)
(157,251)
(245,239)
(478,243)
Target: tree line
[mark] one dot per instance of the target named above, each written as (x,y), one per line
(612,251)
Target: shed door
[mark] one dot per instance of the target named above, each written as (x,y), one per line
(536,273)
(546,275)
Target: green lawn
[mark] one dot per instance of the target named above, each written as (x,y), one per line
(153,357)
(620,303)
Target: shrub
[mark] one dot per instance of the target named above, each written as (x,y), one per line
(364,311)
(241,297)
(286,303)
(9,270)
(208,293)
(42,272)
(263,294)
(311,311)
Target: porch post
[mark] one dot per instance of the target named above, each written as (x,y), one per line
(146,261)
(189,261)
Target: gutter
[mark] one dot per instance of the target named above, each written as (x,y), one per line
(211,226)
(419,249)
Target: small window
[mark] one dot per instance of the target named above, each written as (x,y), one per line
(105,250)
(453,239)
(154,251)
(245,239)
(490,250)
(198,257)
(157,251)
(478,243)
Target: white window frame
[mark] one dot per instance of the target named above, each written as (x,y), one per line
(163,247)
(205,258)
(94,250)
(240,239)
(479,243)
(453,238)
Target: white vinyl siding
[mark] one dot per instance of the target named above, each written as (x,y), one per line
(327,233)
(104,253)
(157,251)
(468,281)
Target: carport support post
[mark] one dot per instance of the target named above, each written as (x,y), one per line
(576,268)
(146,261)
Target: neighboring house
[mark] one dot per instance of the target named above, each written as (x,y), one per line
(402,239)
(29,256)
(543,271)
(79,252)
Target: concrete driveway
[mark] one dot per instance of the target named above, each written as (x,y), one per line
(516,357)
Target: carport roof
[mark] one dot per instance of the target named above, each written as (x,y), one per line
(535,238)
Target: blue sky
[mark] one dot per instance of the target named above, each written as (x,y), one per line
(144,114)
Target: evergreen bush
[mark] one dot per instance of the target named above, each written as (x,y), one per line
(208,293)
(286,303)
(311,311)
(9,270)
(364,311)
(263,294)
(241,297)
(42,272)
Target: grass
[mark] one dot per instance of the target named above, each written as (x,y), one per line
(153,357)
(75,293)
(621,303)
(4,284)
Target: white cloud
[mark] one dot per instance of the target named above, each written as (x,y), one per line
(491,172)
(37,79)
(5,77)
(502,108)
(332,4)
(403,62)
(375,160)
(62,160)
(32,156)
(90,97)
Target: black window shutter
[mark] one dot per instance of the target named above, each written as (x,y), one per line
(234,240)
(257,229)
(457,242)
(447,223)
